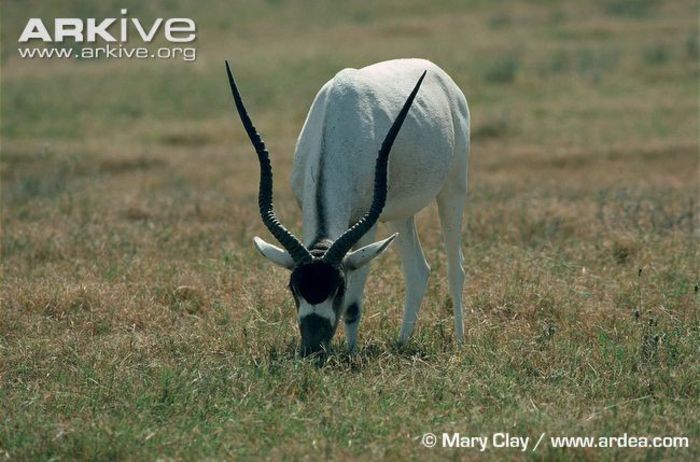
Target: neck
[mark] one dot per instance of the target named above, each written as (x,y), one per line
(326,218)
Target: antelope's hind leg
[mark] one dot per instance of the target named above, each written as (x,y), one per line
(451,209)
(415,271)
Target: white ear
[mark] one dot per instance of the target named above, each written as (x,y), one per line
(273,253)
(360,257)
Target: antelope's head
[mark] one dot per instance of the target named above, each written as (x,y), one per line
(318,275)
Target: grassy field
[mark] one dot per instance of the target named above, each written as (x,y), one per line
(138,322)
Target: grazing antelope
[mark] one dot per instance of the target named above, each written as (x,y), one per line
(343,188)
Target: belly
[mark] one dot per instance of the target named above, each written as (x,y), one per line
(417,173)
(414,181)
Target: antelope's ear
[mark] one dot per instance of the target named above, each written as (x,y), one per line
(360,257)
(273,253)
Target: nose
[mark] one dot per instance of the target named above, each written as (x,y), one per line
(316,334)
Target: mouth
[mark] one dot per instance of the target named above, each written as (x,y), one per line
(315,350)
(316,334)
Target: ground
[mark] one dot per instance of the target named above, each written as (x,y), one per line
(138,322)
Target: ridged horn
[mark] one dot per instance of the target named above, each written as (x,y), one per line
(344,243)
(296,249)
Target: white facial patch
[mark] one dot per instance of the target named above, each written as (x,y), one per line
(323,310)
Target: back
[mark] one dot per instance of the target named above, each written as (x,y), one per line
(337,147)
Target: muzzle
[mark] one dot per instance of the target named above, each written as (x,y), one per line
(316,334)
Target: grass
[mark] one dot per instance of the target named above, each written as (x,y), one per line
(137,321)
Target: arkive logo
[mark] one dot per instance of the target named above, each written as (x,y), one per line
(175,30)
(114,35)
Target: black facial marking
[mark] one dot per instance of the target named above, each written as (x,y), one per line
(316,282)
(352,313)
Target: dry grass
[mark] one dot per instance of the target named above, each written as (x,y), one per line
(137,322)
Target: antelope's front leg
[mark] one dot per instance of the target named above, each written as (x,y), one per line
(355,294)
(415,270)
